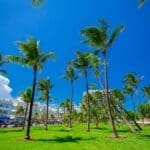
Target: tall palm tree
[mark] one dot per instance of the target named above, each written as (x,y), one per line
(44,86)
(85,61)
(26,97)
(2,62)
(131,82)
(99,37)
(71,76)
(34,58)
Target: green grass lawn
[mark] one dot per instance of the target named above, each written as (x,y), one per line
(59,137)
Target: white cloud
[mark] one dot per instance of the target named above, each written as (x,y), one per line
(5,90)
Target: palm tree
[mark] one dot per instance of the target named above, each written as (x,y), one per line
(99,38)
(131,82)
(85,61)
(34,58)
(2,62)
(37,2)
(44,86)
(26,97)
(71,76)
(146,91)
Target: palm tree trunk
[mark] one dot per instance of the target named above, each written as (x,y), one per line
(47,113)
(25,116)
(133,119)
(88,103)
(31,104)
(111,117)
(71,103)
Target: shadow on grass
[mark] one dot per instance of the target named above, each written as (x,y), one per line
(12,130)
(63,130)
(124,130)
(64,139)
(145,136)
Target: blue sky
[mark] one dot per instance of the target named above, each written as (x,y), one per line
(57,25)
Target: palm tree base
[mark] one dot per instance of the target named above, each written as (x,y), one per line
(27,138)
(87,130)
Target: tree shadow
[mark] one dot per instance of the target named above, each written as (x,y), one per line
(64,130)
(64,139)
(12,130)
(145,136)
(124,130)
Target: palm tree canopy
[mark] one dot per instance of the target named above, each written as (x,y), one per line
(118,96)
(98,36)
(26,95)
(146,91)
(70,73)
(32,55)
(44,85)
(132,79)
(85,60)
(20,110)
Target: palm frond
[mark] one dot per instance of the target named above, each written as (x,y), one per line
(141,3)
(114,35)
(93,36)
(17,60)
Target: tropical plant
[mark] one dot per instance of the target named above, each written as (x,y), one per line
(66,106)
(146,91)
(26,97)
(34,58)
(84,62)
(44,87)
(71,76)
(131,82)
(2,62)
(98,37)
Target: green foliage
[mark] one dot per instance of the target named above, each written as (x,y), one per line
(26,95)
(146,91)
(99,37)
(144,110)
(31,54)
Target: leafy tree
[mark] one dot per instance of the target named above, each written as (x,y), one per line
(84,62)
(44,86)
(34,58)
(99,37)
(71,76)
(26,97)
